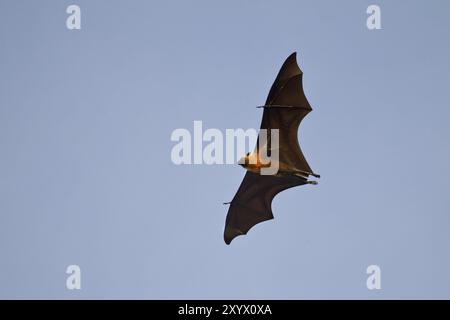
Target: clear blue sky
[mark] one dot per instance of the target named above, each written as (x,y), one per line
(85,170)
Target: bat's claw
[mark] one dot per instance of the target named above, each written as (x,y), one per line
(312,182)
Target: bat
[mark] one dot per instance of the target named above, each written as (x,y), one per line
(285,107)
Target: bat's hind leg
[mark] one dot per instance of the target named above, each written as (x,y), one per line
(305,177)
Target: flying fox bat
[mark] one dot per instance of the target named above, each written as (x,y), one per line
(285,107)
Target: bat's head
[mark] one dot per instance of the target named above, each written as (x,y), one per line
(251,161)
(243,162)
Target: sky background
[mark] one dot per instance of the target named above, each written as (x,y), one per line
(86,176)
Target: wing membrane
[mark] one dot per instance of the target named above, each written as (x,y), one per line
(252,203)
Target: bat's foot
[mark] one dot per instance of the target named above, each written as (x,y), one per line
(312,182)
(306,174)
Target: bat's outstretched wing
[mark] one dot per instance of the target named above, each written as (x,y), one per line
(285,108)
(252,203)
